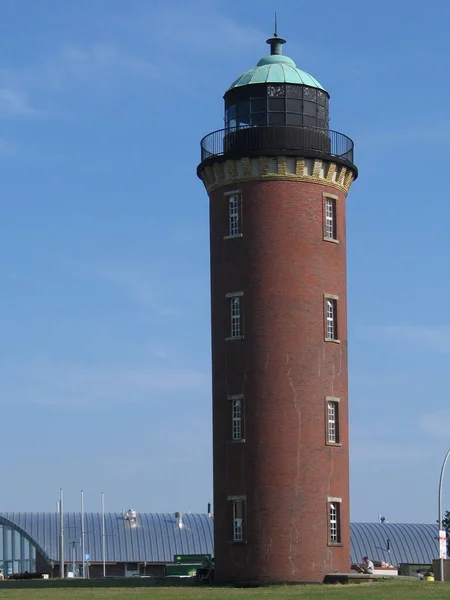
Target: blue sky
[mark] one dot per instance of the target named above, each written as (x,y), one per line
(105,332)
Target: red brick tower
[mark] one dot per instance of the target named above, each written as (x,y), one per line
(277,179)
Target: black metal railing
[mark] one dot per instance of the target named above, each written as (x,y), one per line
(276,139)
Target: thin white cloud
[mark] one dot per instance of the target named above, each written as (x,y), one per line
(426,133)
(159,353)
(6,149)
(384,451)
(99,59)
(72,64)
(15,104)
(202,31)
(436,424)
(100,66)
(415,337)
(187,444)
(142,288)
(84,386)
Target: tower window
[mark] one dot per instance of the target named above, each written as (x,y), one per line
(330,218)
(334,522)
(332,408)
(234,209)
(235,317)
(331,324)
(238,520)
(235,305)
(237,418)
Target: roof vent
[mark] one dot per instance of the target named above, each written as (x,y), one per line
(179,519)
(131,516)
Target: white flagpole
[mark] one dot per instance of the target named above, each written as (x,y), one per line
(82,535)
(61,535)
(103,535)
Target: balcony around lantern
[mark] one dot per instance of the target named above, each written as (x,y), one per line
(277,140)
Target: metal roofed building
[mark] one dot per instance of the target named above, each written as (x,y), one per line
(29,541)
(394,543)
(144,545)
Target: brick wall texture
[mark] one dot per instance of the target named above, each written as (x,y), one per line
(285,369)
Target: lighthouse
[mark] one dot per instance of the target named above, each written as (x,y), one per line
(277,179)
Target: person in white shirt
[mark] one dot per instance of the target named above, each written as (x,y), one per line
(367,566)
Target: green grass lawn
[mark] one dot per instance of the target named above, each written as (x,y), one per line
(383,590)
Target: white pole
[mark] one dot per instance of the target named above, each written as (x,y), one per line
(82,536)
(441,479)
(58,511)
(103,535)
(61,535)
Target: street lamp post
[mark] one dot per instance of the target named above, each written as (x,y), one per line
(441,479)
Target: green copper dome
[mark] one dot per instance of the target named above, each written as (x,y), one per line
(276,68)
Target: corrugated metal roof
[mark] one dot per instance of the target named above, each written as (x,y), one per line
(157,537)
(408,542)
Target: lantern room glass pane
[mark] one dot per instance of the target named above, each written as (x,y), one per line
(309,108)
(322,98)
(321,112)
(294,91)
(309,121)
(294,119)
(276,104)
(276,118)
(293,105)
(258,105)
(243,110)
(309,94)
(258,119)
(276,91)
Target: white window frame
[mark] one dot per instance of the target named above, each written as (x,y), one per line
(238,520)
(237,417)
(334,521)
(330,218)
(332,420)
(235,315)
(235,308)
(331,318)
(234,215)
